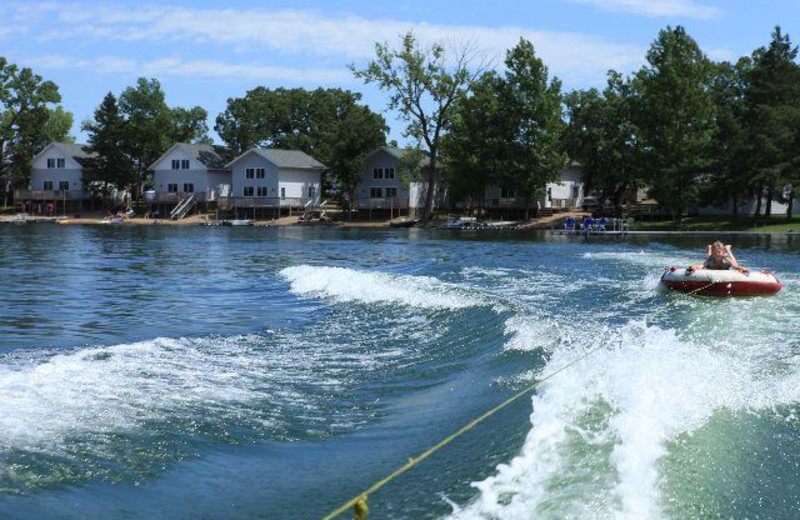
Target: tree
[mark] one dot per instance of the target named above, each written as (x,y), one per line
(508,132)
(151,127)
(25,100)
(677,117)
(58,125)
(474,148)
(729,176)
(189,125)
(772,117)
(532,106)
(422,84)
(107,139)
(604,138)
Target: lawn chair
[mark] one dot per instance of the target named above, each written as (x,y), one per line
(601,224)
(569,223)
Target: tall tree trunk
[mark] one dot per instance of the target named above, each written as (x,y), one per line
(790,205)
(759,195)
(427,213)
(768,208)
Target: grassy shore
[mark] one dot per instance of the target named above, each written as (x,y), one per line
(776,224)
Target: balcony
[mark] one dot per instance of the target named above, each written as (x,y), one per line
(23,195)
(174,197)
(263,202)
(390,203)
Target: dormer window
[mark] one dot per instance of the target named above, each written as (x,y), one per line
(180,164)
(55,162)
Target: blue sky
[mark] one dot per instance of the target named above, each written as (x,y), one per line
(204,52)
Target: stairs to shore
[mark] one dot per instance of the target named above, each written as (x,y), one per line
(183,207)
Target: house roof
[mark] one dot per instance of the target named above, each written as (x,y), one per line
(74,150)
(398,153)
(284,158)
(211,156)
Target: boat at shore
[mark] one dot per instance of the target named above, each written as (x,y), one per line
(720,282)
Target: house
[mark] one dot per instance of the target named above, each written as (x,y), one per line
(191,169)
(274,179)
(56,178)
(381,188)
(565,193)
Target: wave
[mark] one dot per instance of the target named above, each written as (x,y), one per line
(601,429)
(351,285)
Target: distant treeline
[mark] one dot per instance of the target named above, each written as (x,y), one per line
(692,130)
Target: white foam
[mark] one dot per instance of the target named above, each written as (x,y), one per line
(649,386)
(350,285)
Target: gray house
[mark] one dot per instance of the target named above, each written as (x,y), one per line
(191,169)
(56,178)
(270,178)
(380,186)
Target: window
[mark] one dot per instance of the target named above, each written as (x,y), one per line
(188,188)
(172,188)
(61,163)
(63,185)
(56,163)
(176,164)
(391,192)
(377,173)
(249,191)
(254,173)
(389,173)
(376,193)
(550,194)
(575,191)
(261,191)
(506,193)
(51,163)
(47,185)
(312,191)
(283,192)
(184,164)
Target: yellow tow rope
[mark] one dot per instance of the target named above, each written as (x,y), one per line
(359,503)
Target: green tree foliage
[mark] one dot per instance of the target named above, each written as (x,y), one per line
(474,147)
(151,127)
(603,137)
(329,124)
(108,139)
(729,178)
(677,118)
(58,126)
(28,119)
(772,117)
(508,132)
(422,85)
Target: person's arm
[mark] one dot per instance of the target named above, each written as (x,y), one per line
(735,265)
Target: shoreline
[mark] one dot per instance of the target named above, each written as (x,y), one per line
(537,227)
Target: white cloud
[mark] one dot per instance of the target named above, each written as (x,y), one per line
(192,68)
(656,8)
(305,35)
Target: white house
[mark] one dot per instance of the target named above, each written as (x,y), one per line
(197,169)
(380,186)
(57,176)
(566,193)
(270,178)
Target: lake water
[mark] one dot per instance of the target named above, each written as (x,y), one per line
(188,373)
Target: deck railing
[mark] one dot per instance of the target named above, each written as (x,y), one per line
(383,203)
(264,202)
(23,195)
